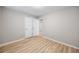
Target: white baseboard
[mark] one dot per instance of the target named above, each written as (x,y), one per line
(60,42)
(4,44)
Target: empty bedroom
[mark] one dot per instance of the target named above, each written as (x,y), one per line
(39,29)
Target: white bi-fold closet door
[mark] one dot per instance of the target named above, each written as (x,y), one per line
(31,26)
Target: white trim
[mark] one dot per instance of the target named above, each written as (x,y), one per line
(60,42)
(4,44)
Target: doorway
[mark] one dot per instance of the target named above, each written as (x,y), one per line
(31,27)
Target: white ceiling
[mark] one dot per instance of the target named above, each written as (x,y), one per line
(37,11)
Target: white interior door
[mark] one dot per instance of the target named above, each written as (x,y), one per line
(35,27)
(28,27)
(31,27)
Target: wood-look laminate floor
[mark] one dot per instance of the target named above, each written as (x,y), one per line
(37,45)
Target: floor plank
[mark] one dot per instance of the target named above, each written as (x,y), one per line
(37,45)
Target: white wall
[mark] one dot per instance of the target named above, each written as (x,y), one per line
(62,25)
(0,24)
(12,25)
